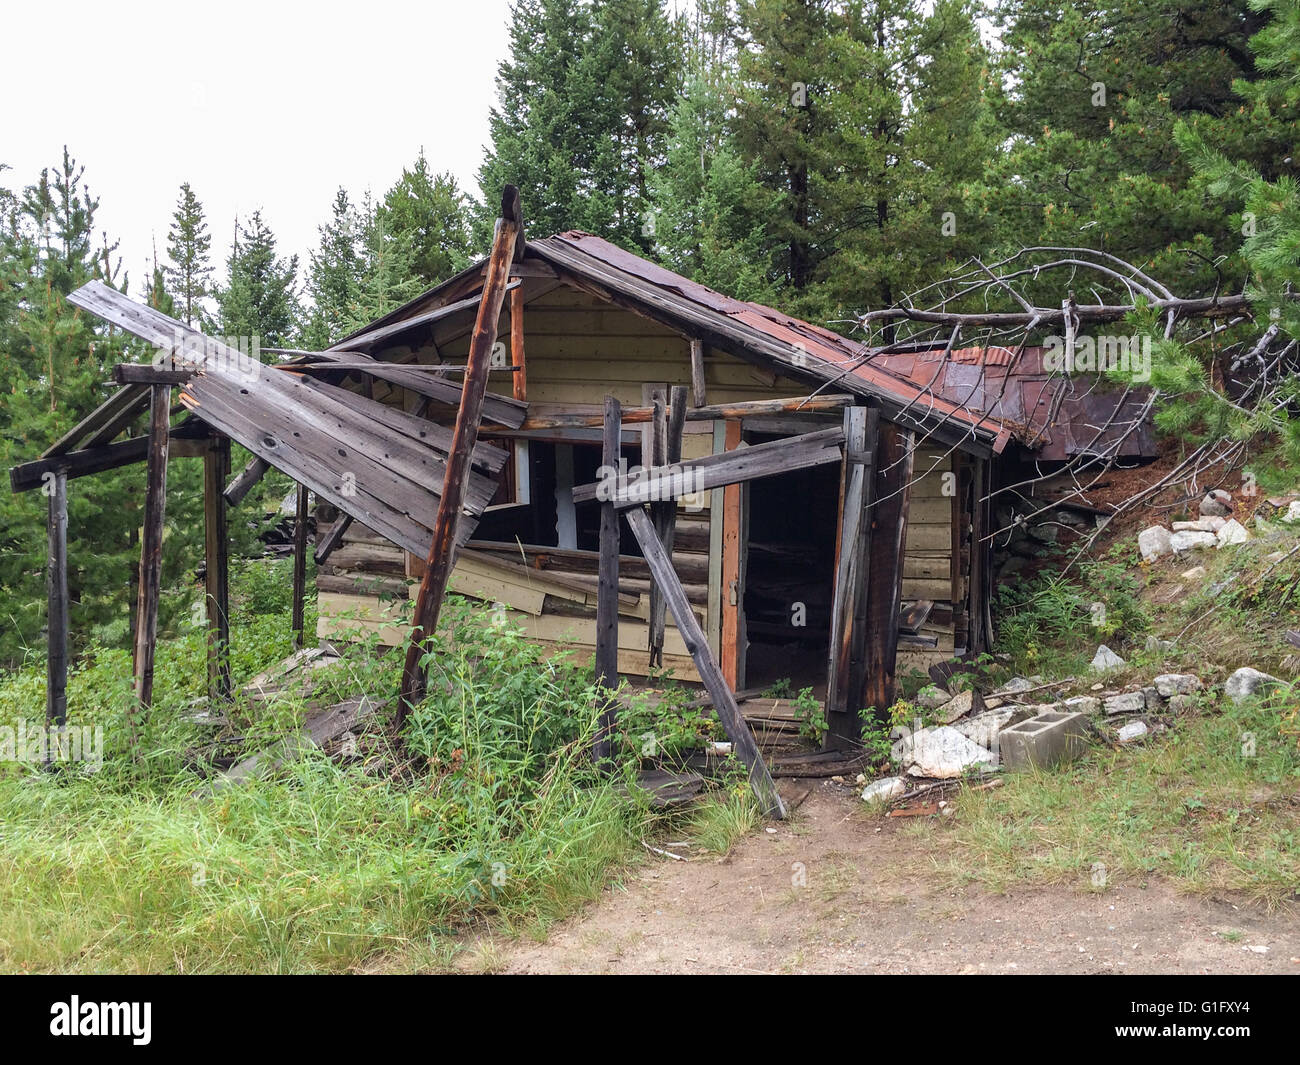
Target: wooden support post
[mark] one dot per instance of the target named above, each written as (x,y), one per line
(893,476)
(733,722)
(299,567)
(732,591)
(155,507)
(607,582)
(517,344)
(56,584)
(698,395)
(433,584)
(665,512)
(243,484)
(845,677)
(216,543)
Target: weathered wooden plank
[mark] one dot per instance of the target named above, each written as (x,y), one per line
(733,598)
(253,472)
(607,586)
(317,730)
(642,415)
(698,390)
(28,475)
(143,373)
(665,513)
(893,474)
(843,725)
(713,471)
(103,423)
(333,538)
(442,545)
(724,702)
(299,566)
(517,360)
(56,586)
(216,539)
(151,542)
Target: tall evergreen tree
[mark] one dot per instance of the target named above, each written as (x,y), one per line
(1094,90)
(582,116)
(335,276)
(189,245)
(259,302)
(427,217)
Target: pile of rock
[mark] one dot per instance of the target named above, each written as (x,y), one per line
(1215,528)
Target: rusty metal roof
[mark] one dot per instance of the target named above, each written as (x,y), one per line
(1054,415)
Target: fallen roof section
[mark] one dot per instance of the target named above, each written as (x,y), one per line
(379,464)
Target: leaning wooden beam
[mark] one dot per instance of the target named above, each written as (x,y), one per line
(216,540)
(243,484)
(665,515)
(641,415)
(893,475)
(28,475)
(56,690)
(607,587)
(433,584)
(715,471)
(155,503)
(724,702)
(384,333)
(299,566)
(333,538)
(108,418)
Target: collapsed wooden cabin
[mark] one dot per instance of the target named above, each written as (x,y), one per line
(639,469)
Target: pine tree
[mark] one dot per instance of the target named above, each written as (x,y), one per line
(581,116)
(708,204)
(189,245)
(1095,88)
(427,217)
(335,276)
(259,305)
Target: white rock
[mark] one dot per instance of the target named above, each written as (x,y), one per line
(1233,532)
(1217,502)
(941,753)
(931,697)
(984,728)
(1083,704)
(1292,512)
(1196,573)
(1247,682)
(1106,659)
(1132,731)
(1182,542)
(1156,644)
(1168,684)
(958,706)
(1154,542)
(1210,524)
(884,790)
(1127,703)
(1015,685)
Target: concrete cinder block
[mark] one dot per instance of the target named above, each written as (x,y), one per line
(1044,740)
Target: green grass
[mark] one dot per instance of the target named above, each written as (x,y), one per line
(499,821)
(1188,805)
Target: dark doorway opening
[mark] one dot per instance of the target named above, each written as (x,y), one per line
(790,577)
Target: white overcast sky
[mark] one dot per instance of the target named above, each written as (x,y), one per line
(258,105)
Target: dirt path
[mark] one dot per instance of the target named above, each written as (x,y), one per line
(866,906)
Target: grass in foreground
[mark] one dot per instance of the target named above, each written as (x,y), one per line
(327,867)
